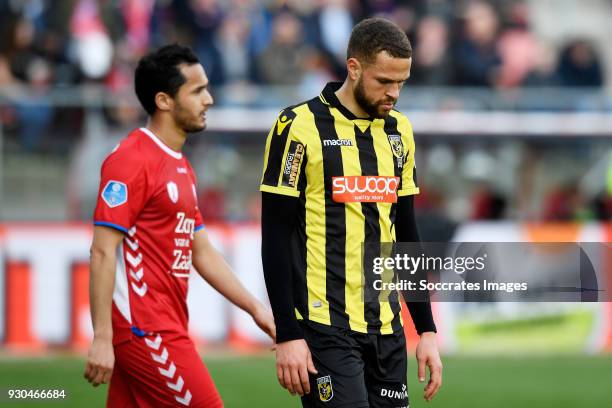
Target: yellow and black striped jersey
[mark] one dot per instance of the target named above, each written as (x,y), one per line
(347,174)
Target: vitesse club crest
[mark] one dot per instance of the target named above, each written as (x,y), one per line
(396,146)
(324,385)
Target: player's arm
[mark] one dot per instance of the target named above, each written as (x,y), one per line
(293,358)
(281,186)
(407,231)
(405,225)
(278,218)
(211,265)
(122,194)
(101,358)
(427,353)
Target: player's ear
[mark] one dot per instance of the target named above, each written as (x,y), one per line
(163,101)
(354,68)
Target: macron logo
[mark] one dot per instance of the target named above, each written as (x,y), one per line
(338,142)
(182,170)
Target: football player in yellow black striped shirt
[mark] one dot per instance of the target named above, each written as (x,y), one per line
(339,172)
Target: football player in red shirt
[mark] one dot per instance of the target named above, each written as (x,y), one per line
(148,233)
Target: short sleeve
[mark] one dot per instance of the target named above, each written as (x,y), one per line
(284,158)
(199,221)
(123,191)
(409,181)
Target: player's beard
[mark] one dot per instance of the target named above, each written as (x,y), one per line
(185,120)
(371,108)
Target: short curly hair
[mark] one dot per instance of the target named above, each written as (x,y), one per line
(373,35)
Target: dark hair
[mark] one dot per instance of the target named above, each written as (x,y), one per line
(373,35)
(159,72)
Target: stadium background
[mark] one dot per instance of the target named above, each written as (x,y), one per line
(511,104)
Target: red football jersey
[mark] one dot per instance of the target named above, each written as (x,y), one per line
(147,190)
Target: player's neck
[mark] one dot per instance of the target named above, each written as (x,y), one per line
(347,98)
(171,136)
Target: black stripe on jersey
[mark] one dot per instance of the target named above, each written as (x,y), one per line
(277,148)
(369,167)
(391,129)
(335,218)
(300,292)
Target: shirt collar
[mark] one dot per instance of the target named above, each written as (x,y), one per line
(329,96)
(162,145)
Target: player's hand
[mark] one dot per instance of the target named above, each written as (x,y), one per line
(100,362)
(427,355)
(265,320)
(293,363)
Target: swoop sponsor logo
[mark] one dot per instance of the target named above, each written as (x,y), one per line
(365,189)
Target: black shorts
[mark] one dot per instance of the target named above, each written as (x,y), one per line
(355,369)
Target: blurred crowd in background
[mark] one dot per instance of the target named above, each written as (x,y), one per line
(284,42)
(469,44)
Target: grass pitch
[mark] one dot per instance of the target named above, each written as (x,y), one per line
(523,382)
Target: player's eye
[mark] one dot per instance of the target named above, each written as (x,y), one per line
(199,90)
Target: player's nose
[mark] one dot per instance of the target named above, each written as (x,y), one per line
(393,91)
(207,100)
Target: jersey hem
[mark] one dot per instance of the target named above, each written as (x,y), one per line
(356,327)
(110,224)
(279,190)
(409,191)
